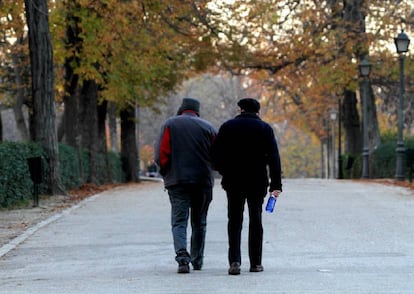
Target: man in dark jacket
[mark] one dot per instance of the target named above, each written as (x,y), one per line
(245,153)
(183,153)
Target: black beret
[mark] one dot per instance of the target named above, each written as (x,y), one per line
(249,105)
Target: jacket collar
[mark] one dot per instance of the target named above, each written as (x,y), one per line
(190,112)
(248,114)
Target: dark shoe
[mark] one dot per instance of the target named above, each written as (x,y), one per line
(256,268)
(183,259)
(197,267)
(183,268)
(234,268)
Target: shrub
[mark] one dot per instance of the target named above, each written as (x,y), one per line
(115,166)
(15,182)
(69,167)
(383,161)
(75,169)
(409,157)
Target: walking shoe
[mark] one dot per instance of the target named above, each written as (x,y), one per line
(256,268)
(183,259)
(234,268)
(183,268)
(196,267)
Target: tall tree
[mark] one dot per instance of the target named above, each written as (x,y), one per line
(127,51)
(14,69)
(43,95)
(310,50)
(1,128)
(72,46)
(129,154)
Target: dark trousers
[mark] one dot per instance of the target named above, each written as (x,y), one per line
(189,201)
(235,208)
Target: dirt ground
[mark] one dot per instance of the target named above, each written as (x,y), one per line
(14,222)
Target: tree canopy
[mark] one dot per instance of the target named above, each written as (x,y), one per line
(301,56)
(307,52)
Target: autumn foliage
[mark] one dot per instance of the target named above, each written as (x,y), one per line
(300,57)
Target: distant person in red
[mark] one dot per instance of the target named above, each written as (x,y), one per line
(245,153)
(183,153)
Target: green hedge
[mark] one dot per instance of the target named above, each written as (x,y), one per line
(75,171)
(115,166)
(69,167)
(15,182)
(382,160)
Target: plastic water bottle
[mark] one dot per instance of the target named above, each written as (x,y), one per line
(271,203)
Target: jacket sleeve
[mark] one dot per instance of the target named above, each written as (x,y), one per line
(163,151)
(217,152)
(274,163)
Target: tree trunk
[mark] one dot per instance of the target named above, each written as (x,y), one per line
(113,134)
(101,115)
(129,153)
(71,97)
(137,132)
(354,14)
(88,126)
(20,97)
(352,125)
(102,146)
(374,136)
(70,125)
(41,59)
(1,128)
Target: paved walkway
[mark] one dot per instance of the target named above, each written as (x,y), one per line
(325,236)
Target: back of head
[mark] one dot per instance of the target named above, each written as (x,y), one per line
(189,104)
(249,105)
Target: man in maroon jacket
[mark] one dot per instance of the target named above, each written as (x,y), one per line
(245,153)
(183,153)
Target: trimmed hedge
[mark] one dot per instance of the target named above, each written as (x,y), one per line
(382,160)
(15,182)
(115,167)
(68,159)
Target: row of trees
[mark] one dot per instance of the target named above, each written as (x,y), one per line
(106,53)
(114,56)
